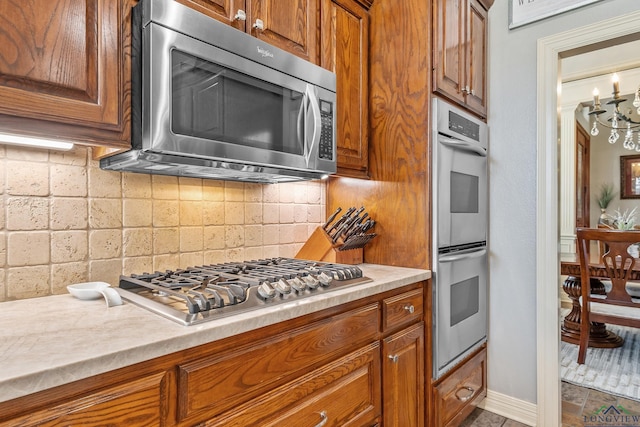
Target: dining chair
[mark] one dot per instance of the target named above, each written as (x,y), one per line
(617,305)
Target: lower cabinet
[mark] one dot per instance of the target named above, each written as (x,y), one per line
(461,390)
(357,365)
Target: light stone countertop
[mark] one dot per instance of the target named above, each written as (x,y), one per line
(50,341)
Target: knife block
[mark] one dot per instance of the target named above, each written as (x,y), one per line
(319,247)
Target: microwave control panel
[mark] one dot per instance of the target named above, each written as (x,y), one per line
(326,132)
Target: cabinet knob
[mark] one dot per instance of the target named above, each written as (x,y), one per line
(410,308)
(465,90)
(240,15)
(258,25)
(324,419)
(469,395)
(394,358)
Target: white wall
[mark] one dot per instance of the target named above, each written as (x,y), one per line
(512,120)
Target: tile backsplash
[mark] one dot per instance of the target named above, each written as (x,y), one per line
(64,220)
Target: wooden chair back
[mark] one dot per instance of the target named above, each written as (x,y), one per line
(619,266)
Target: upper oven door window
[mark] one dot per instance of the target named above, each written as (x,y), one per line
(461,193)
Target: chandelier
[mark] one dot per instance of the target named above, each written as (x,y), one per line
(618,121)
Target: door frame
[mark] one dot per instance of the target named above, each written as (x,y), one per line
(584,169)
(550,50)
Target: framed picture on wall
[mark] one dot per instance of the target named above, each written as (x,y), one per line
(523,12)
(630,177)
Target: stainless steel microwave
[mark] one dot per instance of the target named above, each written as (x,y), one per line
(210,101)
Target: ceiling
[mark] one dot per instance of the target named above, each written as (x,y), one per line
(603,61)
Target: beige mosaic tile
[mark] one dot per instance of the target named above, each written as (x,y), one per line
(191,239)
(286,213)
(137,265)
(137,212)
(77,156)
(271,213)
(164,187)
(253,213)
(253,235)
(28,282)
(104,183)
(214,237)
(212,191)
(166,262)
(271,234)
(213,213)
(190,188)
(166,240)
(191,212)
(315,213)
(28,248)
(191,259)
(3,250)
(137,242)
(105,270)
(233,191)
(287,233)
(69,213)
(69,246)
(166,213)
(136,185)
(68,181)
(66,274)
(27,213)
(214,257)
(270,193)
(234,236)
(253,192)
(300,213)
(26,153)
(287,192)
(234,213)
(254,253)
(27,178)
(105,244)
(105,213)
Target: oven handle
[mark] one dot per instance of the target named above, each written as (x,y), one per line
(312,107)
(461,256)
(462,145)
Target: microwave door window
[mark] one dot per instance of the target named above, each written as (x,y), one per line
(216,103)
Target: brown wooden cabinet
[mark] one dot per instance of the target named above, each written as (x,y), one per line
(460,391)
(345,47)
(65,70)
(291,25)
(135,402)
(460,52)
(343,366)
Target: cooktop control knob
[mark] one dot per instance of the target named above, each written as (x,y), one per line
(282,287)
(297,284)
(325,279)
(266,291)
(311,282)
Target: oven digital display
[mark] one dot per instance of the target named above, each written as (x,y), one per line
(464,126)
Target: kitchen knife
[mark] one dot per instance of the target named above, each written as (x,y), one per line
(331,218)
(342,219)
(346,225)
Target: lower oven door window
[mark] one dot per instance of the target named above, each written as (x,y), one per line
(460,322)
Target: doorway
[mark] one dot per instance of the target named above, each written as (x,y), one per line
(550,50)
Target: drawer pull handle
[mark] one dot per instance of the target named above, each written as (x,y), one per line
(324,419)
(468,396)
(410,308)
(394,358)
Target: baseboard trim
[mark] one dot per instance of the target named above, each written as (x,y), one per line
(510,407)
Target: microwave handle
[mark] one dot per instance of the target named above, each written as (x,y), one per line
(461,145)
(314,108)
(466,255)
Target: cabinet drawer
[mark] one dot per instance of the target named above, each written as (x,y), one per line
(402,309)
(138,403)
(345,392)
(213,385)
(460,392)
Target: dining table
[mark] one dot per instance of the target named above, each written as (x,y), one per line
(599,335)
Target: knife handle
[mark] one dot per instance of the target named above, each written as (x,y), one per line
(331,218)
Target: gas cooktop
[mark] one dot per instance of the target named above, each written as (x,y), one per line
(204,293)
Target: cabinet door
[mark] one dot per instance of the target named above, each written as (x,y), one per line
(345,41)
(449,48)
(403,378)
(291,25)
(222,10)
(476,98)
(64,69)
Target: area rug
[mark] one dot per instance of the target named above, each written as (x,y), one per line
(612,370)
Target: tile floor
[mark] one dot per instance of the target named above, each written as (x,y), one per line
(576,403)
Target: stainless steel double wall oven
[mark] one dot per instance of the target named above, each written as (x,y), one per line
(460,222)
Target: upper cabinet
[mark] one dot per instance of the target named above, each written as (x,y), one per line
(291,25)
(345,47)
(64,70)
(460,52)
